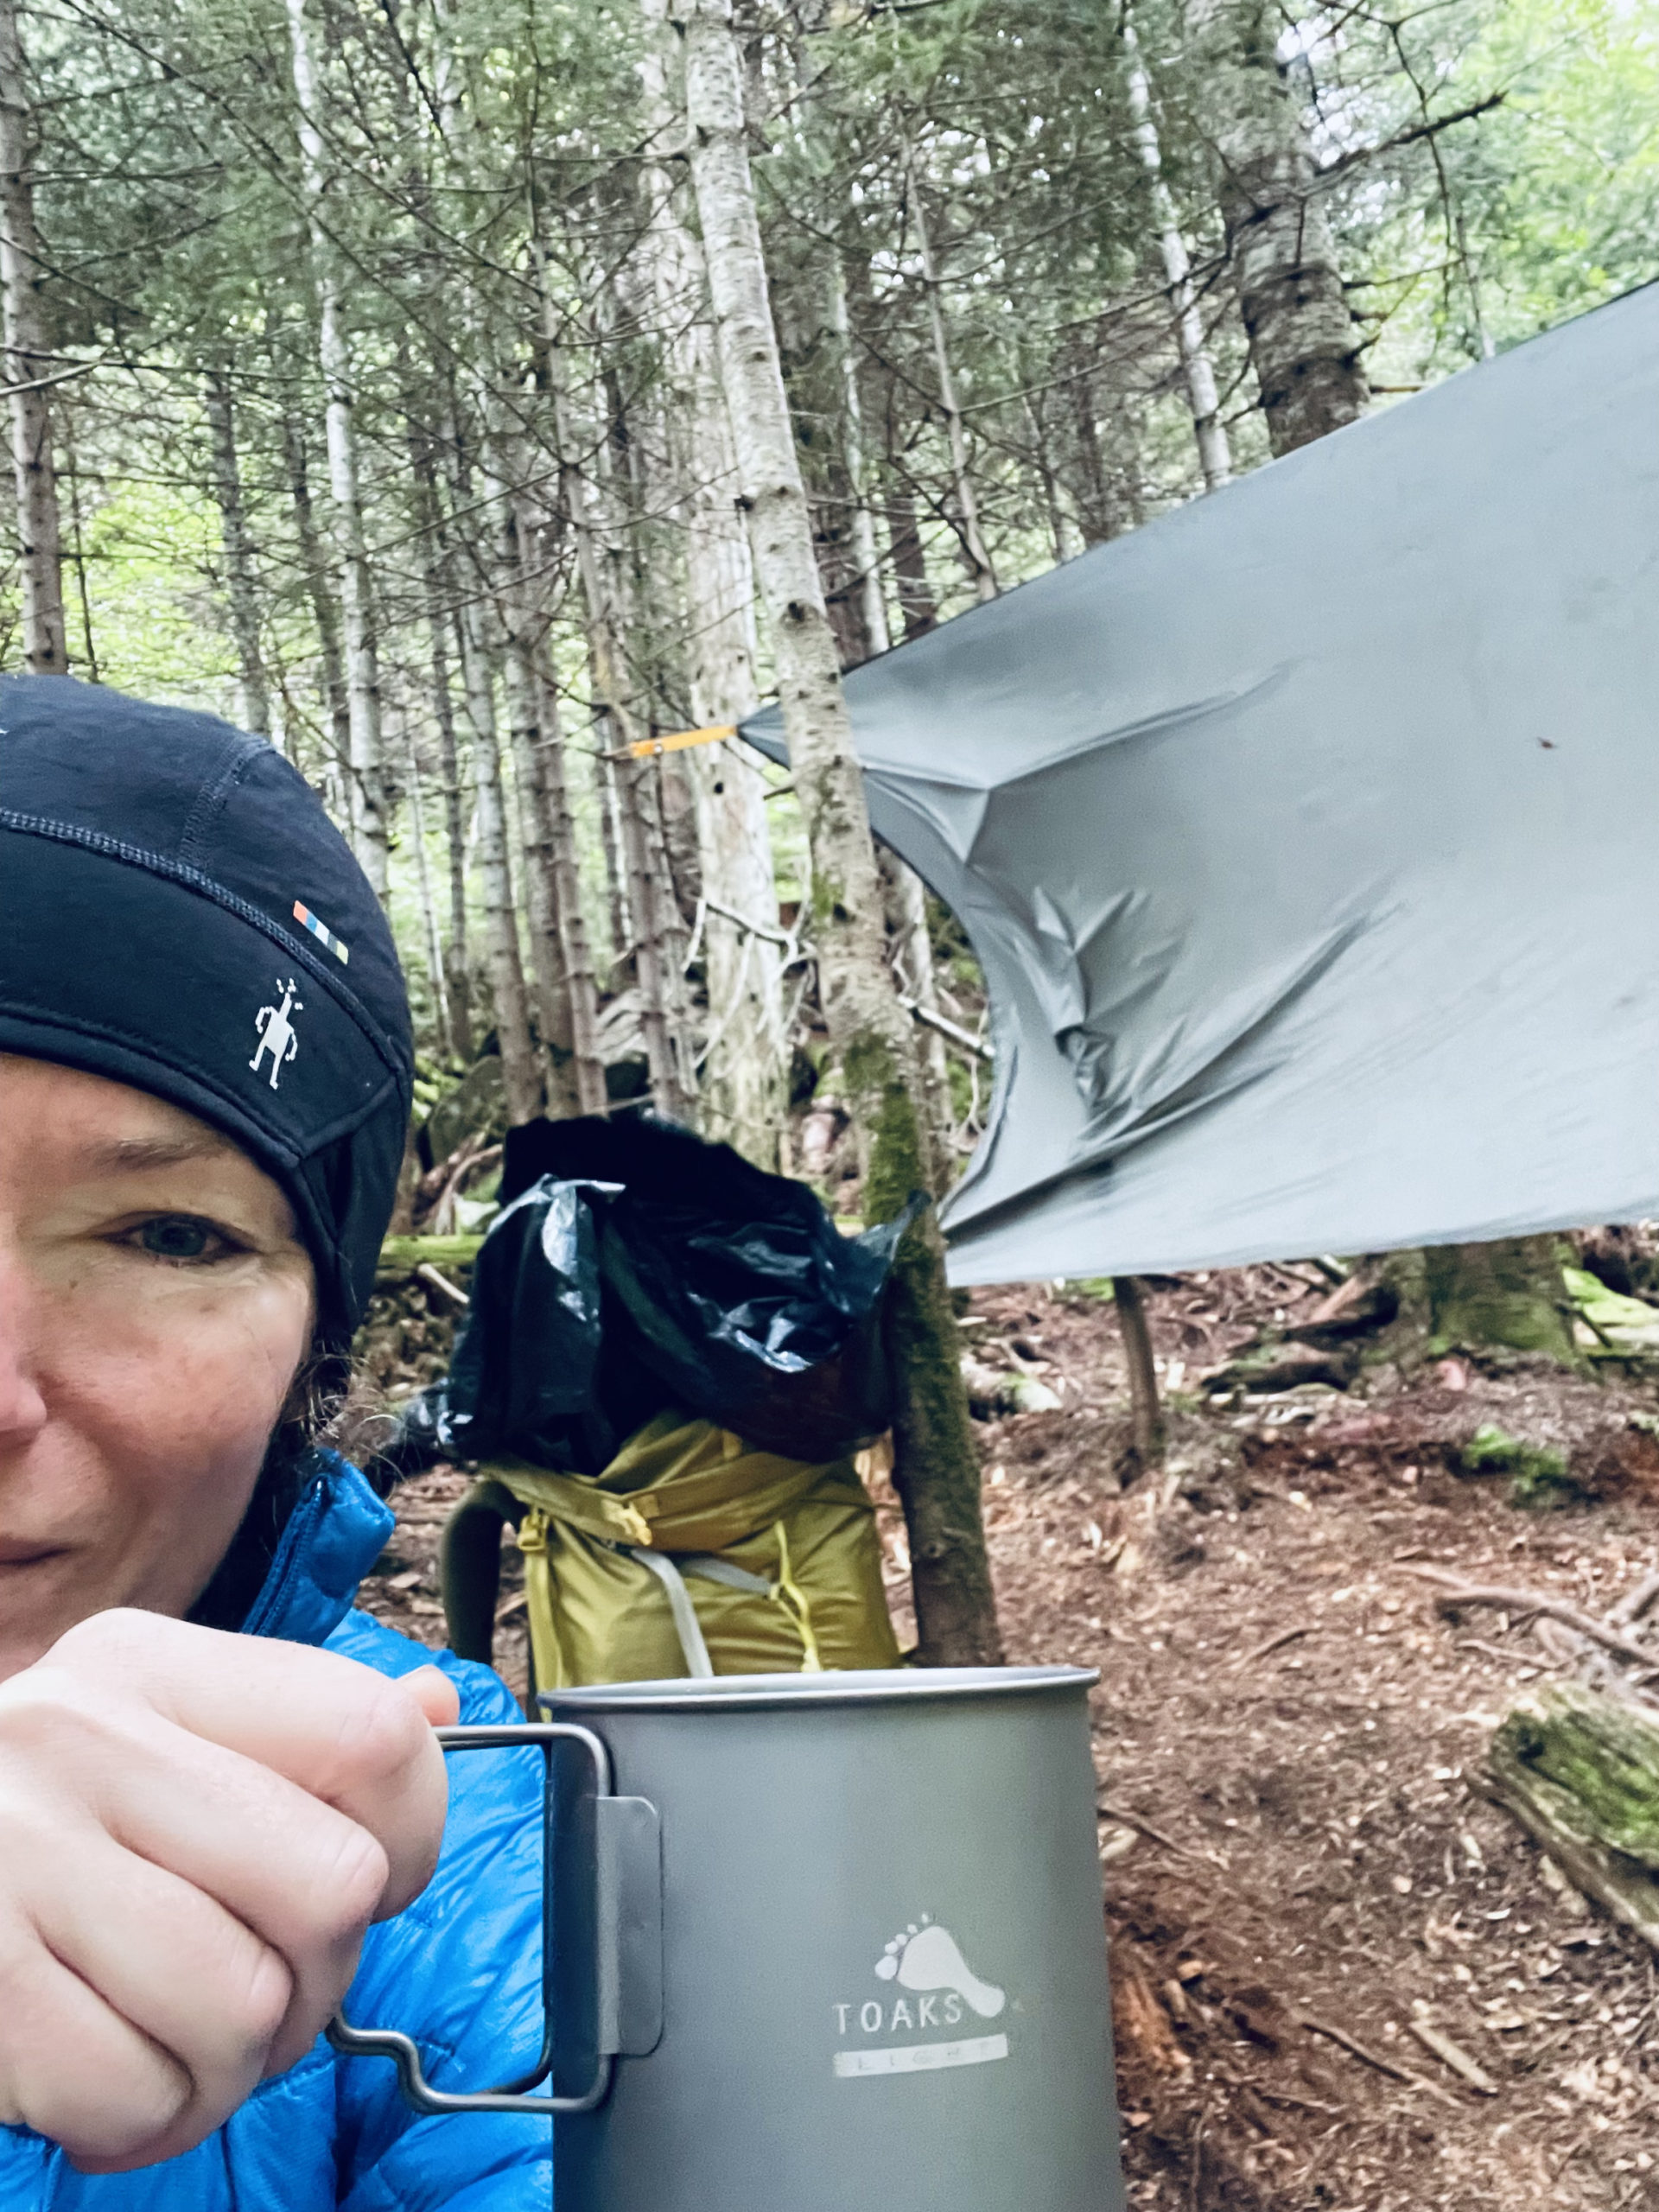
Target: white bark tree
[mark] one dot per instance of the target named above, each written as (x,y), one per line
(371,836)
(241,584)
(1214,457)
(935,1468)
(744,1077)
(28,368)
(973,541)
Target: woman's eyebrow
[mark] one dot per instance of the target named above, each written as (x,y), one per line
(132,1155)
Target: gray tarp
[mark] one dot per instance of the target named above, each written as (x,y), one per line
(1309,837)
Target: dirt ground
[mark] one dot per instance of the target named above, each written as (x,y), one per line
(1300,1871)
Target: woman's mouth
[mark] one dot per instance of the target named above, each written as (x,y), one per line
(26,1555)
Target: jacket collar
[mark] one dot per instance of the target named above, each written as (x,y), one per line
(333,1536)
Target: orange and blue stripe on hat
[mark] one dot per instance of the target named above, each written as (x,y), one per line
(321,932)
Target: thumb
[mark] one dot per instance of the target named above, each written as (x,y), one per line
(436,1694)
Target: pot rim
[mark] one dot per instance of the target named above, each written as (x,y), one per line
(873,1686)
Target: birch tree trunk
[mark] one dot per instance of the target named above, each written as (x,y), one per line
(935,1470)
(29,368)
(241,587)
(743,1089)
(1305,346)
(1214,458)
(370,835)
(428,904)
(324,614)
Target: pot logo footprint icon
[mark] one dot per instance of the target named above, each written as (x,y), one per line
(926,1957)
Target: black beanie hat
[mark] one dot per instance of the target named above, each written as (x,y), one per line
(177,913)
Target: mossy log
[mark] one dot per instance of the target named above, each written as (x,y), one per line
(401,1255)
(1579,1770)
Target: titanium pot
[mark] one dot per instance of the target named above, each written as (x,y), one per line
(819,1943)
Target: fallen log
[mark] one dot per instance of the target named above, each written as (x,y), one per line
(1579,1770)
(402,1257)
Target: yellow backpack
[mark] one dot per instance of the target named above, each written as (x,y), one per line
(691,1553)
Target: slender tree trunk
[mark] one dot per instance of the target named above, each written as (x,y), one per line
(520,1075)
(537,827)
(863,522)
(241,586)
(643,868)
(1145,1415)
(1305,346)
(589,1068)
(438,600)
(912,969)
(77,552)
(428,904)
(979,560)
(915,591)
(362,669)
(28,366)
(1214,457)
(744,1078)
(324,612)
(935,1470)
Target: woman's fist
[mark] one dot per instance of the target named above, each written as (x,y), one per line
(196,1831)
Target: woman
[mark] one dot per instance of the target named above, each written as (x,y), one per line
(222,1805)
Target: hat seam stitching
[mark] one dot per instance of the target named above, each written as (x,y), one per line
(210,800)
(195,879)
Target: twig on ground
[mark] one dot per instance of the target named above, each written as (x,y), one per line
(1451,2053)
(428,1273)
(1273,1644)
(1133,1821)
(1341,2037)
(1630,1609)
(1455,1591)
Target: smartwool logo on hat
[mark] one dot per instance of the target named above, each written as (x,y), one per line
(925,1960)
(276,1030)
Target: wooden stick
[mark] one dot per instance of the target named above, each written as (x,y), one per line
(1273,1644)
(1341,2037)
(1133,1821)
(1456,1593)
(429,1274)
(1630,1609)
(1452,2055)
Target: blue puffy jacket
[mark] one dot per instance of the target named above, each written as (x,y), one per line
(460,1970)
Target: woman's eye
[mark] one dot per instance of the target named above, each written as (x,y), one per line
(177,1236)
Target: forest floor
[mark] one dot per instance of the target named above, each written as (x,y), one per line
(1300,1869)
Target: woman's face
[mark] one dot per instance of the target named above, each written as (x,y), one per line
(156,1304)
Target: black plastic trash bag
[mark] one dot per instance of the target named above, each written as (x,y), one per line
(634,1267)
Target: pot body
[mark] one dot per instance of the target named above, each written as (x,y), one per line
(883,1962)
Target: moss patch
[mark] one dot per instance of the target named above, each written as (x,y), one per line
(1539,1475)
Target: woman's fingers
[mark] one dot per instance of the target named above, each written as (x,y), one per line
(73,2068)
(196,1830)
(355,1739)
(198,1989)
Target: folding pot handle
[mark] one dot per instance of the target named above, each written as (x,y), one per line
(611,1905)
